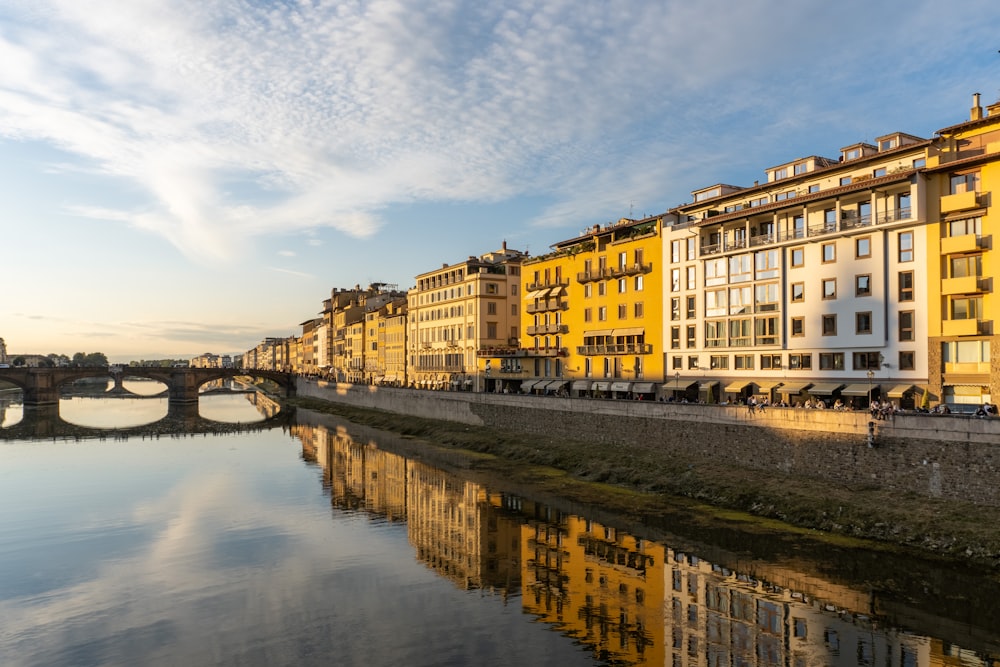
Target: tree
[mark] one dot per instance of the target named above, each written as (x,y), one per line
(18,361)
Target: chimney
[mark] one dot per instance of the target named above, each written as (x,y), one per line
(504,247)
(977,111)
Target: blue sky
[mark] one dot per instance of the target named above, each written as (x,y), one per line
(186,176)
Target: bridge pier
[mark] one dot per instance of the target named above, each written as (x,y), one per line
(41,390)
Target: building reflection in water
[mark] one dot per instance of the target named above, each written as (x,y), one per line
(629,600)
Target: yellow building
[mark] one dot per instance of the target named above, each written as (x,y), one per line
(459,310)
(963,262)
(593,316)
(392,343)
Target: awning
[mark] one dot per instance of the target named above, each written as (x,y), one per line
(621,386)
(555,385)
(528,385)
(597,332)
(825,388)
(601,386)
(468,381)
(390,377)
(538,293)
(678,384)
(737,386)
(859,389)
(794,387)
(581,385)
(899,390)
(634,331)
(644,388)
(707,385)
(558,290)
(767,385)
(378,379)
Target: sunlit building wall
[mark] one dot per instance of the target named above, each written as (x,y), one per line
(459,310)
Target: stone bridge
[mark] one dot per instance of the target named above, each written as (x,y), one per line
(41,386)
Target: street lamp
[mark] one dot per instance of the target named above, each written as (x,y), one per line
(871,377)
(677,382)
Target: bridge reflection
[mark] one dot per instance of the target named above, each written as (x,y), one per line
(182,419)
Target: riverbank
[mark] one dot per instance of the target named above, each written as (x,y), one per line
(637,480)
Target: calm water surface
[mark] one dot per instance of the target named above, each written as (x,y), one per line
(315,544)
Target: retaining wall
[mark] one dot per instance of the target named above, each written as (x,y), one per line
(946,456)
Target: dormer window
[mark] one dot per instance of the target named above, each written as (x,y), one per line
(707,194)
(887,144)
(801,168)
(852,154)
(780,173)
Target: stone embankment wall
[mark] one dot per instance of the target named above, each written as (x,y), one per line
(946,456)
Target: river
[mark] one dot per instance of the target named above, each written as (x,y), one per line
(240,536)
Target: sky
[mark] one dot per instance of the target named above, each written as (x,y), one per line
(180,177)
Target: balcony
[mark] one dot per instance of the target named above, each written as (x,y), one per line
(960,201)
(960,327)
(855,221)
(547,305)
(904,213)
(963,285)
(498,352)
(544,351)
(547,284)
(543,329)
(613,349)
(963,243)
(630,270)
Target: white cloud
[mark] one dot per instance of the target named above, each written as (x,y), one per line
(246,119)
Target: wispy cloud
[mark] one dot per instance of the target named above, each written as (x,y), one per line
(245,119)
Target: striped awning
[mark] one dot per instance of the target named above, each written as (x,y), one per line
(825,388)
(539,293)
(794,387)
(737,386)
(767,385)
(707,385)
(601,386)
(554,385)
(581,385)
(644,387)
(528,385)
(621,386)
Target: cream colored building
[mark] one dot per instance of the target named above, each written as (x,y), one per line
(459,309)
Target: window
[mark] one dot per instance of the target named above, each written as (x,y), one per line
(587,315)
(675,308)
(813,188)
(638,309)
(766,264)
(692,249)
(513,309)
(491,329)
(829,325)
(886,144)
(845,180)
(800,362)
(491,307)
(880,171)
(906,360)
(966,182)
(966,307)
(829,252)
(602,289)
(767,330)
(676,363)
(715,333)
(965,226)
(863,247)
(906,246)
(715,272)
(782,196)
(743,362)
(675,338)
(623,311)
(675,252)
(638,284)
(739,333)
(718,362)
(798,256)
(863,322)
(715,303)
(798,292)
(770,362)
(691,329)
(863,285)
(798,326)
(588,291)
(831,361)
(801,168)
(602,313)
(864,361)
(740,268)
(691,307)
(906,325)
(830,219)
(781,173)
(919,163)
(798,227)
(692,363)
(829,288)
(740,300)
(766,297)
(966,267)
(513,289)
(675,280)
(692,282)
(622,285)
(622,260)
(906,285)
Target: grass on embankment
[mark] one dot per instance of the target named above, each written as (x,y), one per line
(639,481)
